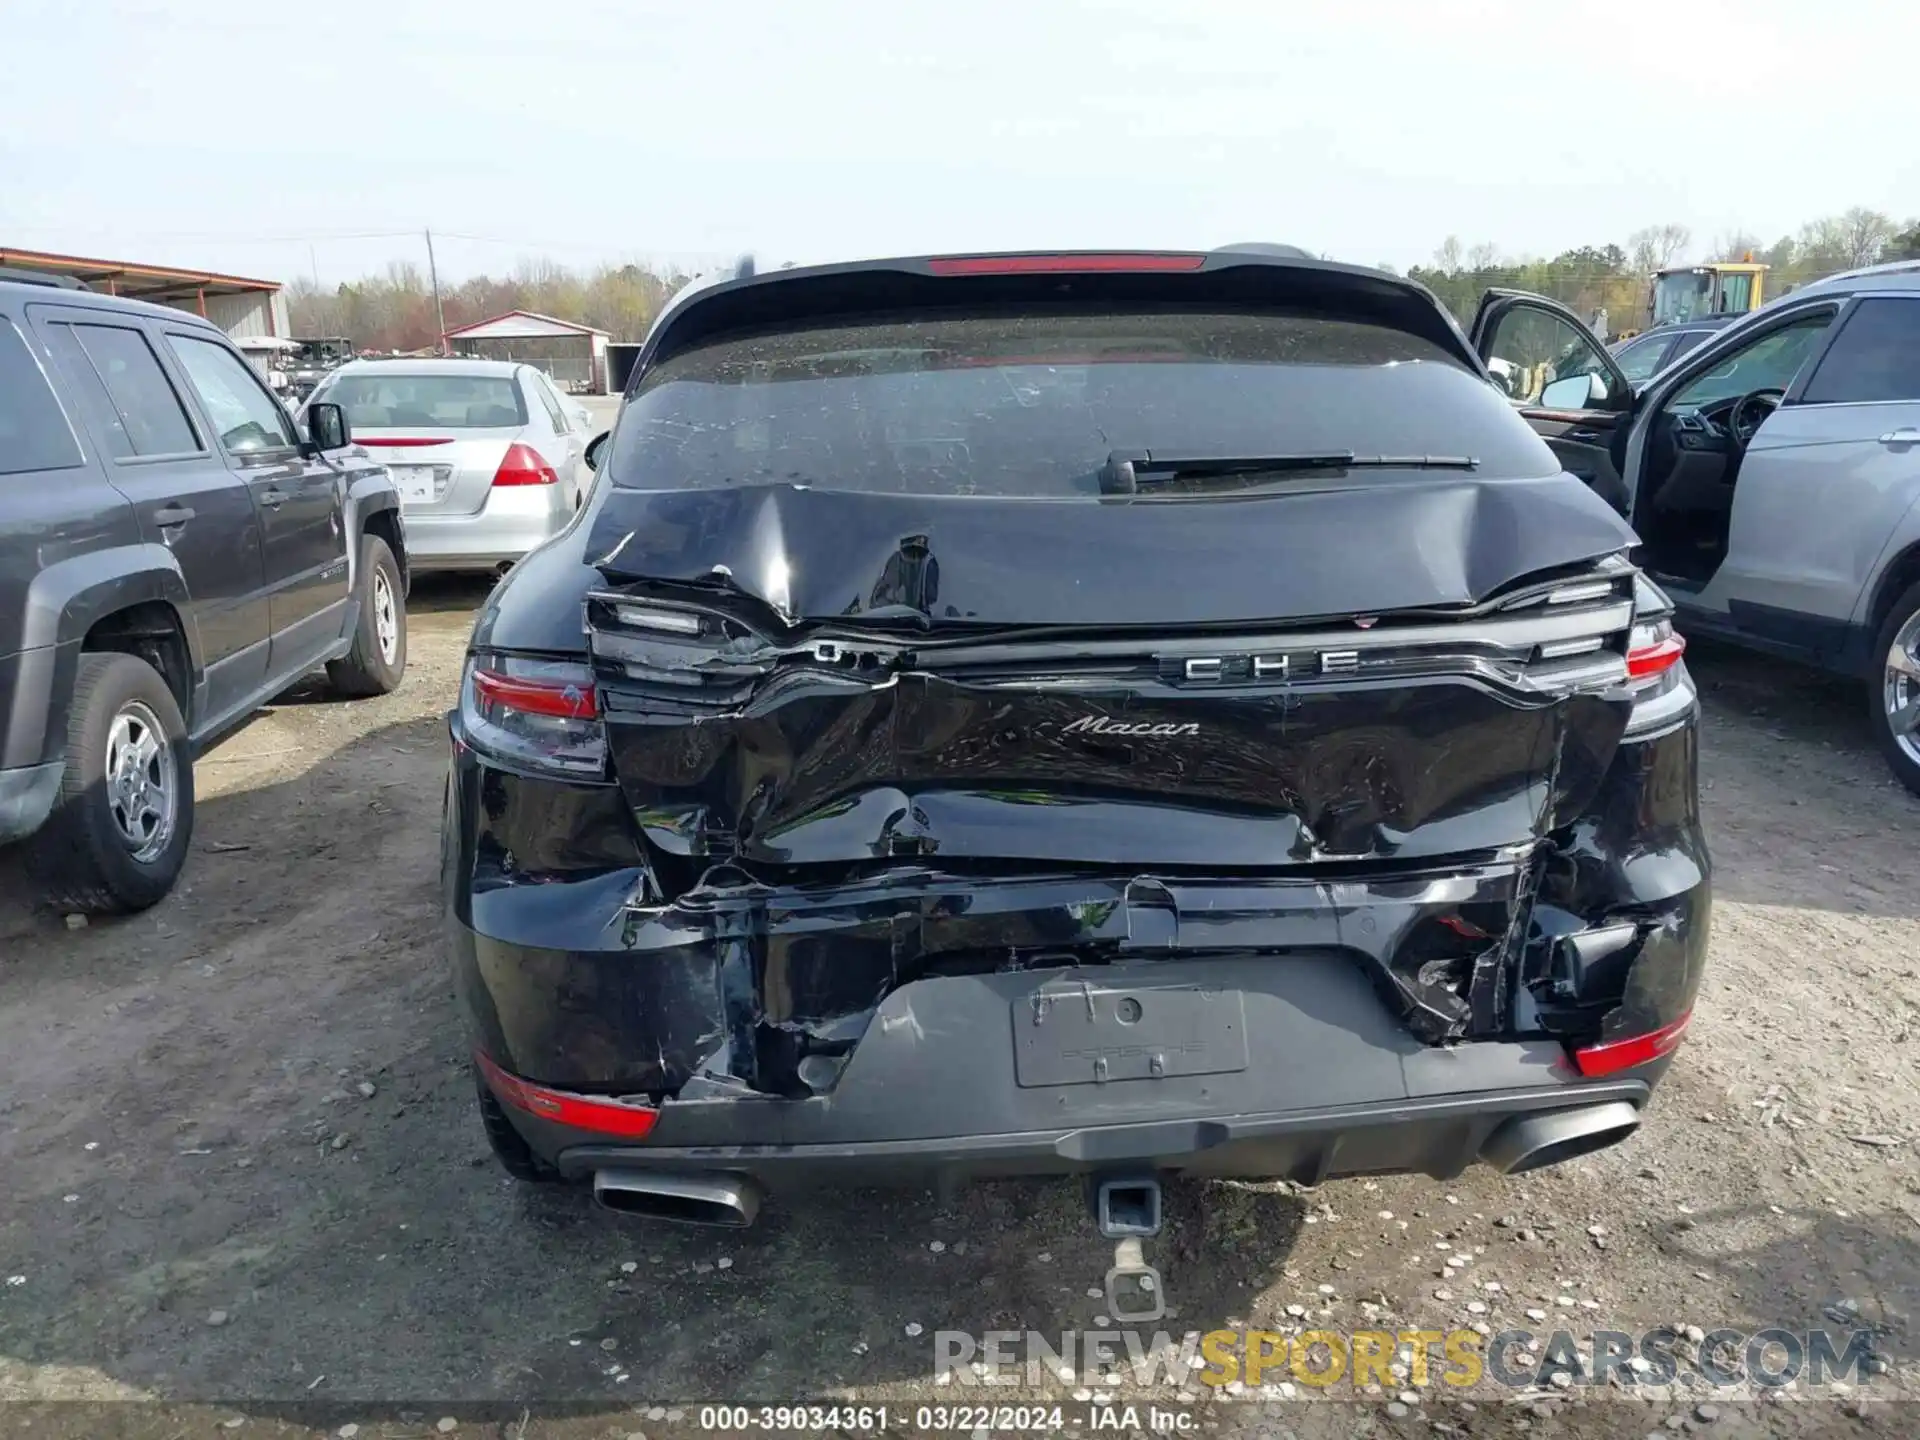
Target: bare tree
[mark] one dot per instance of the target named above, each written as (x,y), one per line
(1842,242)
(1864,234)
(1657,246)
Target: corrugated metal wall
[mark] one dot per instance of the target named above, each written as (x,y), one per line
(258,314)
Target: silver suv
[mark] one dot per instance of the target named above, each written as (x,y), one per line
(1772,473)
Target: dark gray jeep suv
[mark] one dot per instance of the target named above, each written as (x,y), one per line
(1050,714)
(173,552)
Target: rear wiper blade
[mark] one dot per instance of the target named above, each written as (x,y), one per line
(1127,470)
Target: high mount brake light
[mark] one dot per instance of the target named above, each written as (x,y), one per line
(522,465)
(1614,1056)
(577,1112)
(1061,264)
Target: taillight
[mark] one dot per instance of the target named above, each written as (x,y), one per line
(579,1112)
(1616,1055)
(540,714)
(1060,264)
(1663,691)
(522,465)
(1653,649)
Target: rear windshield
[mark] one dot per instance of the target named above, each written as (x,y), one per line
(441,402)
(1033,403)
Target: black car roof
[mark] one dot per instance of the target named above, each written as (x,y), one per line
(1267,275)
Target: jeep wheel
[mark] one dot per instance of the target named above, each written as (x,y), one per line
(516,1157)
(123,821)
(1894,689)
(378,659)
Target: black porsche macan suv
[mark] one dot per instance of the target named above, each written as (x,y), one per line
(1070,713)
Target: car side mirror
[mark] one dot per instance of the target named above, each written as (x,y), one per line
(327,427)
(594,448)
(1576,392)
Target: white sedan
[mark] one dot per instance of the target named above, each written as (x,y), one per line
(487,454)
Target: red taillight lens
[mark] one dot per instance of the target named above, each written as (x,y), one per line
(1059,264)
(579,1112)
(1663,693)
(542,715)
(567,699)
(522,465)
(1617,1055)
(1652,648)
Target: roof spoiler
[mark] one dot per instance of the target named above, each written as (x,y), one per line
(1266,247)
(1260,274)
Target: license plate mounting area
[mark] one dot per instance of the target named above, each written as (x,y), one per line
(1089,1032)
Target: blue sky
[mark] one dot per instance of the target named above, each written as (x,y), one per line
(258,137)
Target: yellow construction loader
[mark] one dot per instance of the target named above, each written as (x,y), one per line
(1719,287)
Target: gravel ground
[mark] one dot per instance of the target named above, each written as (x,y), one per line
(245,1182)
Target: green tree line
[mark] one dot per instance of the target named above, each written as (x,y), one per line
(395,310)
(1615,279)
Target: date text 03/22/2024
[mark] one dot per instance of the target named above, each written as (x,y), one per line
(1000,1419)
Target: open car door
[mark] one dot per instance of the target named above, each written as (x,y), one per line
(1560,376)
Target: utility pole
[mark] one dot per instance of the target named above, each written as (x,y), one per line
(313,266)
(439,313)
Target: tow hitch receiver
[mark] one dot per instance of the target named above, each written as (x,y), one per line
(1129,1207)
(1128,1212)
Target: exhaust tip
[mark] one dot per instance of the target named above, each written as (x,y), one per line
(1531,1142)
(728,1201)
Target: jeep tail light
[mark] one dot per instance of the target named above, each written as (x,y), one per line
(522,465)
(1663,691)
(598,1113)
(1613,1056)
(540,714)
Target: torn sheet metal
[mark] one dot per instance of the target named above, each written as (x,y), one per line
(819,554)
(739,983)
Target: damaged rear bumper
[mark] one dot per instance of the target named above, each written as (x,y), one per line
(938,1091)
(1310,1024)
